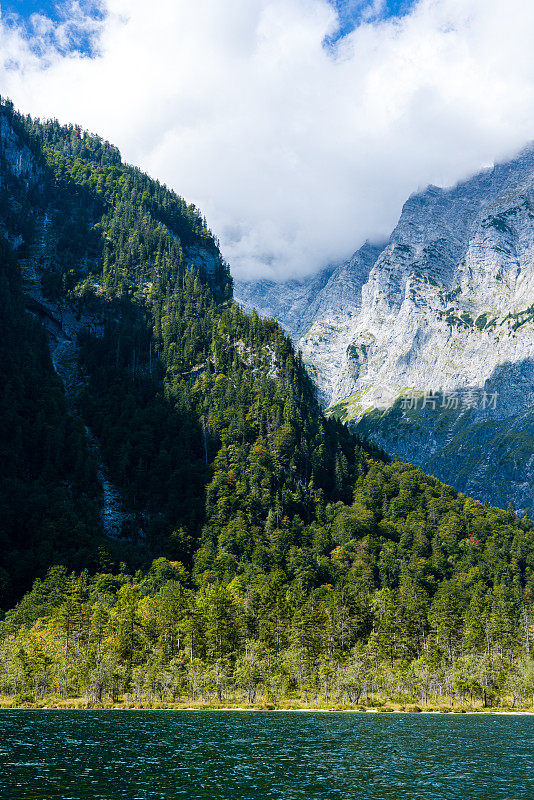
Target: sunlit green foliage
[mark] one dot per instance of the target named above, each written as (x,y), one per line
(291,558)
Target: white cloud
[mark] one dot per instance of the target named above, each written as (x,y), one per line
(295,154)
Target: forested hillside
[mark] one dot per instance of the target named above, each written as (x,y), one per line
(206,419)
(412,595)
(48,484)
(288,553)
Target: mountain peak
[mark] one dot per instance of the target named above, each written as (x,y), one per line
(444,307)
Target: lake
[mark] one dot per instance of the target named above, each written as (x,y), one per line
(137,755)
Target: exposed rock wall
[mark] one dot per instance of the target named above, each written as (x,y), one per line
(447,306)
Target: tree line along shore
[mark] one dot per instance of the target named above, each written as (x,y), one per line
(266,554)
(151,640)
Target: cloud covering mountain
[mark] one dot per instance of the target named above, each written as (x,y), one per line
(427,345)
(297,144)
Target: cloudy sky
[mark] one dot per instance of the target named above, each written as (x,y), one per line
(299,127)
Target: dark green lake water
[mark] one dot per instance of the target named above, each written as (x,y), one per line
(243,755)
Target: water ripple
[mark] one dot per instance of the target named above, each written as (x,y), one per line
(49,755)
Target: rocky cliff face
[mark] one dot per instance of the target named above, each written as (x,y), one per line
(27,207)
(15,155)
(427,344)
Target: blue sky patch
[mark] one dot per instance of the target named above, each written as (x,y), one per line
(351,14)
(351,11)
(79,38)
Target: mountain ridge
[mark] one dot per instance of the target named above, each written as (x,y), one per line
(445,307)
(200,418)
(259,545)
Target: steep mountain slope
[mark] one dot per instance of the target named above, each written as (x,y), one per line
(435,358)
(48,484)
(413,593)
(293,304)
(321,307)
(201,420)
(291,555)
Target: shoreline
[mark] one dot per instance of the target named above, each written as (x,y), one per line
(270,710)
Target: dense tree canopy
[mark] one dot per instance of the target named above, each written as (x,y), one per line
(48,483)
(286,549)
